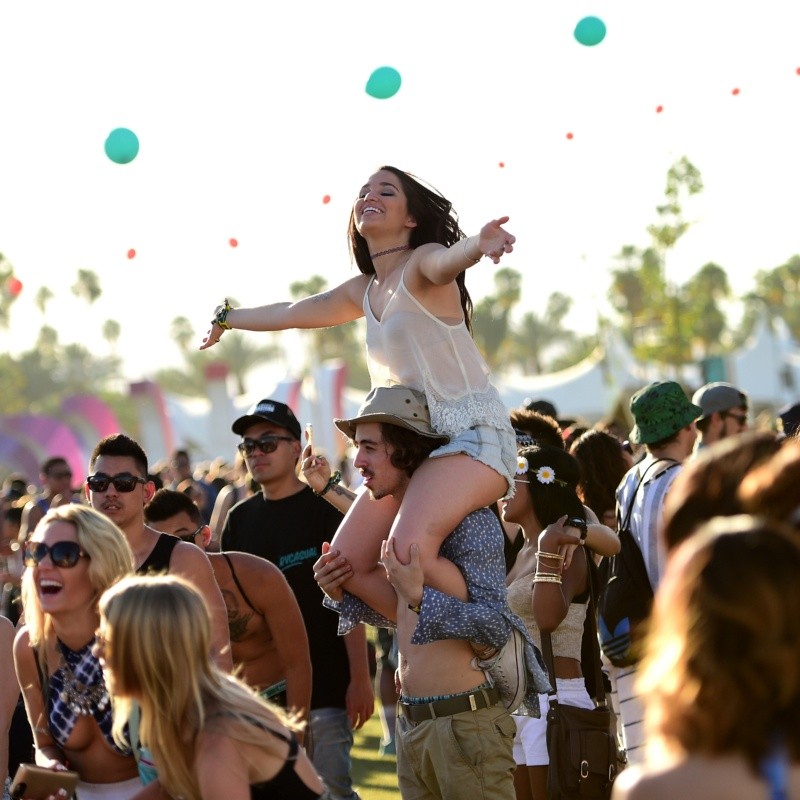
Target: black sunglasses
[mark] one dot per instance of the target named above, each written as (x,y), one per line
(124,482)
(266,444)
(189,537)
(62,554)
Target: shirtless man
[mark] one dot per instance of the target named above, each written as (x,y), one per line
(268,636)
(118,487)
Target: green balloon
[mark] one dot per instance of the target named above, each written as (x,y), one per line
(383,83)
(122,145)
(590,31)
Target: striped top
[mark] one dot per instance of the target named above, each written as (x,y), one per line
(647,512)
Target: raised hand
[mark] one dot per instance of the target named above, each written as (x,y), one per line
(494,241)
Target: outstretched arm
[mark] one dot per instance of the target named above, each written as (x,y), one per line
(334,307)
(441,265)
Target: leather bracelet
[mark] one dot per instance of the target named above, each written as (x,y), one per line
(416,609)
(332,481)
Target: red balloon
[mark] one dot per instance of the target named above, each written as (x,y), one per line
(326,199)
(14,286)
(131,253)
(659,109)
(501,164)
(569,136)
(735,92)
(233,242)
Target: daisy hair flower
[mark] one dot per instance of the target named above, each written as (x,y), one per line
(522,465)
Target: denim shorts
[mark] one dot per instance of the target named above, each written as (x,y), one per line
(495,447)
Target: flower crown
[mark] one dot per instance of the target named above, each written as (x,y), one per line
(544,474)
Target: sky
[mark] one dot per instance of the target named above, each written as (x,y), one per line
(250,114)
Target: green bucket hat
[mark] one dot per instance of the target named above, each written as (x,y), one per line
(660,410)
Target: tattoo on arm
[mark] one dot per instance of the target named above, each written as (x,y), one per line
(321,298)
(342,492)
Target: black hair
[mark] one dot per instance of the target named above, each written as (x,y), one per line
(118,444)
(167,503)
(551,500)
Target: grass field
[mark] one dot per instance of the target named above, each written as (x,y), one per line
(374,776)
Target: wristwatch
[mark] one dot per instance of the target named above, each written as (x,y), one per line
(580,524)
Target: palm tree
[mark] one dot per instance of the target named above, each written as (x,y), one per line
(111,332)
(87,286)
(43,297)
(491,318)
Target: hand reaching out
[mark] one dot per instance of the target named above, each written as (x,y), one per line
(494,241)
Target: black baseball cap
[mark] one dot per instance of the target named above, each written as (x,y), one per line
(268,411)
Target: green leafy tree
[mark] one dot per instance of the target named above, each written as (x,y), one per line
(776,292)
(659,315)
(703,293)
(43,296)
(537,333)
(491,317)
(10,288)
(182,333)
(341,341)
(111,332)
(87,286)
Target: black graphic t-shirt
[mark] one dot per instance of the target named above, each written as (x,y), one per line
(290,533)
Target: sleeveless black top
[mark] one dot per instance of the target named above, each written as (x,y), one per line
(286,784)
(158,560)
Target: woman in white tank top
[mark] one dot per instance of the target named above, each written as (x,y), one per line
(406,241)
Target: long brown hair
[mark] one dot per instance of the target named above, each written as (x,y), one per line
(436,222)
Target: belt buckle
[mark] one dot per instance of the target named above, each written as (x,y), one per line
(473,706)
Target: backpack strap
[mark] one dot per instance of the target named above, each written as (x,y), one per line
(627,518)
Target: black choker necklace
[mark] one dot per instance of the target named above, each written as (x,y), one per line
(390,250)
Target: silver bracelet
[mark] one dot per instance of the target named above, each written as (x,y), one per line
(471,260)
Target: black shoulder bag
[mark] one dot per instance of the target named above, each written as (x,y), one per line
(582,744)
(626,596)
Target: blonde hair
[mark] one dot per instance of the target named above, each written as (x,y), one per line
(158,645)
(721,671)
(110,558)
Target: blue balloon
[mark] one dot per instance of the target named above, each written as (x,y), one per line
(590,31)
(384,83)
(122,145)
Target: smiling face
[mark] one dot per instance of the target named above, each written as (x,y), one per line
(381,207)
(61,590)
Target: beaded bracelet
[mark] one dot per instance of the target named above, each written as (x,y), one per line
(542,554)
(546,577)
(221,315)
(332,481)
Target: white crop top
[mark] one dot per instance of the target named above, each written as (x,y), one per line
(412,347)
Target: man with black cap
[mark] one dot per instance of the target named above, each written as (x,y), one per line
(724,410)
(286,523)
(453,732)
(665,425)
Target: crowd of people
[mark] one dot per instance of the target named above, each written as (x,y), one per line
(202,633)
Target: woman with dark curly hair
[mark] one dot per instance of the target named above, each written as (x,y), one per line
(721,671)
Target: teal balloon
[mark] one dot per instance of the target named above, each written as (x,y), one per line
(590,31)
(122,146)
(384,83)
